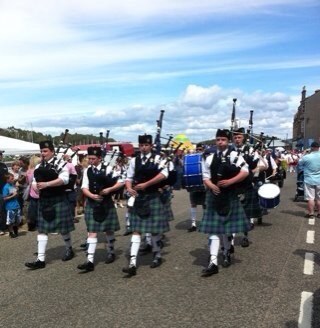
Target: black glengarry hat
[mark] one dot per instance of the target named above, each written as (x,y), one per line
(95,151)
(145,139)
(239,131)
(46,144)
(224,133)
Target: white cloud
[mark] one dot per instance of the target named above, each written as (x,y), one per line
(199,119)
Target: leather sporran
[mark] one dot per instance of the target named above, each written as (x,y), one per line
(142,206)
(48,213)
(222,204)
(99,212)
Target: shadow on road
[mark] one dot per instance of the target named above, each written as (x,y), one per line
(294,213)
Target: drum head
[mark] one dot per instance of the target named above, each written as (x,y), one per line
(269,191)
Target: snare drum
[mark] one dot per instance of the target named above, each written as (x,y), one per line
(192,172)
(269,195)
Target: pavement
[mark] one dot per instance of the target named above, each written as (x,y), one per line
(262,288)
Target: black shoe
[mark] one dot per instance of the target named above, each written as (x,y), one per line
(245,242)
(231,249)
(84,246)
(35,265)
(127,233)
(130,270)
(210,270)
(157,261)
(309,216)
(86,267)
(69,254)
(226,260)
(145,250)
(259,221)
(15,230)
(12,235)
(110,258)
(192,228)
(251,226)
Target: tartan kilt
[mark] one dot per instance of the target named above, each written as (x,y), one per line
(168,213)
(63,221)
(156,222)
(236,220)
(251,204)
(110,223)
(197,197)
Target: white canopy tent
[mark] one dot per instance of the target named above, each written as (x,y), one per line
(12,146)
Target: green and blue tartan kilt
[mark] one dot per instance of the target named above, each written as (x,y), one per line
(167,205)
(235,221)
(110,223)
(251,204)
(197,197)
(156,222)
(63,221)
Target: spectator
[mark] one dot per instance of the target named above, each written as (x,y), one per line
(310,164)
(33,194)
(3,172)
(10,197)
(22,185)
(15,166)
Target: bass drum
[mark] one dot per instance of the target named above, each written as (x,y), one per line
(269,195)
(192,172)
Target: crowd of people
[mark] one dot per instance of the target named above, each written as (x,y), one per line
(47,193)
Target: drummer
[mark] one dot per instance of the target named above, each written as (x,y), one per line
(196,197)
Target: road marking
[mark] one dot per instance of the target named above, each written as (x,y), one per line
(311,221)
(310,237)
(305,316)
(308,263)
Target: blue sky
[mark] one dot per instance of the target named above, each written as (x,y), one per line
(94,65)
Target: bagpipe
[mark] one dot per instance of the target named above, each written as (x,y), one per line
(59,161)
(110,157)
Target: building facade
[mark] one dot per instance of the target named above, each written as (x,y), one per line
(306,123)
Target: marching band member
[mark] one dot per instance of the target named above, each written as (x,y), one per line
(224,214)
(251,200)
(197,197)
(50,178)
(147,214)
(99,183)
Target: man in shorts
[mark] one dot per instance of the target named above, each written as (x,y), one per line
(310,164)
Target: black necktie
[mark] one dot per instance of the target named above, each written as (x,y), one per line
(144,158)
(220,154)
(95,170)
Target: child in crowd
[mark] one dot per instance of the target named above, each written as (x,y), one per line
(12,207)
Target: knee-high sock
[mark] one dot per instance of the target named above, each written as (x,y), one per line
(127,219)
(156,245)
(110,243)
(42,244)
(135,245)
(92,245)
(214,244)
(193,215)
(232,238)
(67,240)
(226,244)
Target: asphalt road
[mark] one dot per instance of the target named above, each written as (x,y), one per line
(261,289)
